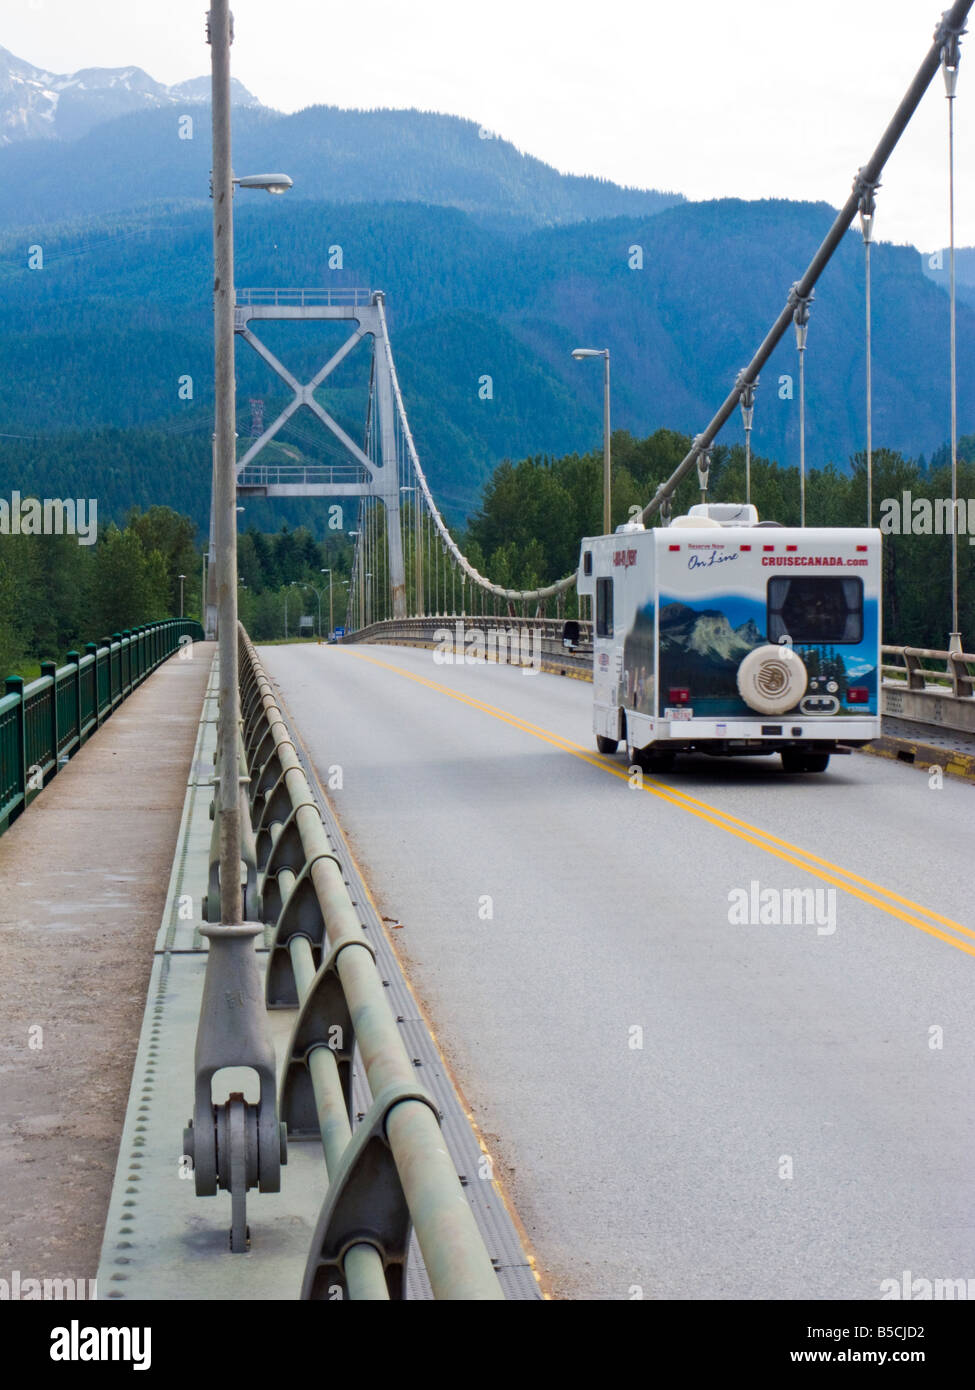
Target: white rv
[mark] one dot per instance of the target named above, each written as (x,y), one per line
(722,634)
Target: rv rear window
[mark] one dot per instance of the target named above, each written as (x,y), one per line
(812,609)
(604,608)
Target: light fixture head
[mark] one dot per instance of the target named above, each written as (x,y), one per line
(271,183)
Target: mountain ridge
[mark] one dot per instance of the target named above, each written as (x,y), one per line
(36,103)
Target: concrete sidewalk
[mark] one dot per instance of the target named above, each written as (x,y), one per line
(84,875)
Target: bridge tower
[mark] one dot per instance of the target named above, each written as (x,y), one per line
(369,472)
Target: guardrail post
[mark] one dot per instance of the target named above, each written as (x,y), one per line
(107,643)
(239,1144)
(915,671)
(91,649)
(961,681)
(75,659)
(14,685)
(50,668)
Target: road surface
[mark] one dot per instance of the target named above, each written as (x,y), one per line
(686,1095)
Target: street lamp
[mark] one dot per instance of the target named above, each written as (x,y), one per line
(331,608)
(293,585)
(318,600)
(271,183)
(579,354)
(182,580)
(359,595)
(220,37)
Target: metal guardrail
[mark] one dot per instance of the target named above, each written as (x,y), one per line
(303,298)
(42,724)
(926,695)
(510,641)
(298,474)
(957,669)
(393,1171)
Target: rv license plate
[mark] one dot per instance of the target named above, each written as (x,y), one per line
(679,712)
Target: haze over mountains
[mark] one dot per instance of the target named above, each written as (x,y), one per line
(494,265)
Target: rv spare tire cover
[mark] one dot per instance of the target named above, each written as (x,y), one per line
(772,679)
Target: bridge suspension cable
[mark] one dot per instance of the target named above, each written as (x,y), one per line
(947,34)
(441,548)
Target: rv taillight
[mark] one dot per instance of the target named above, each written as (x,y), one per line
(792,547)
(744,547)
(861,547)
(857,695)
(768,547)
(679,695)
(673,547)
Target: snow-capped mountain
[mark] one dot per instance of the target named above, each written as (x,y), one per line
(707,633)
(36,104)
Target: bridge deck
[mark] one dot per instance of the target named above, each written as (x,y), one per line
(683,1094)
(85,872)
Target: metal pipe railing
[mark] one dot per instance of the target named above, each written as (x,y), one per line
(45,722)
(957,672)
(322,961)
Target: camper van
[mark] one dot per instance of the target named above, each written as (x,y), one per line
(723,634)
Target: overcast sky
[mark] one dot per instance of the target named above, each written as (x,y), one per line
(746,98)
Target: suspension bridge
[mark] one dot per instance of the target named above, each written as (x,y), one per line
(478,1011)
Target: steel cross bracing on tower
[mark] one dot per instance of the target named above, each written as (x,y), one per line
(363,475)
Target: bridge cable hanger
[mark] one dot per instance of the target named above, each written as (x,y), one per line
(946,40)
(943,53)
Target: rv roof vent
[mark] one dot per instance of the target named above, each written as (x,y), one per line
(698,521)
(726,513)
(629,526)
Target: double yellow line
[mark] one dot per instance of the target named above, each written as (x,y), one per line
(915,914)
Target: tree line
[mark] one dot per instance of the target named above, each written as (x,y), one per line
(534,512)
(55,593)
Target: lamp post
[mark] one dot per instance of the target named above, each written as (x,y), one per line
(182,581)
(292,585)
(580,354)
(318,600)
(220,37)
(331,607)
(360,599)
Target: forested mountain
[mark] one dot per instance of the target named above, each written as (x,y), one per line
(155,157)
(103,333)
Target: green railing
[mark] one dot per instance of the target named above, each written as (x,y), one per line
(44,723)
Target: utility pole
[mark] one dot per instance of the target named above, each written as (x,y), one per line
(220,35)
(607,494)
(331,608)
